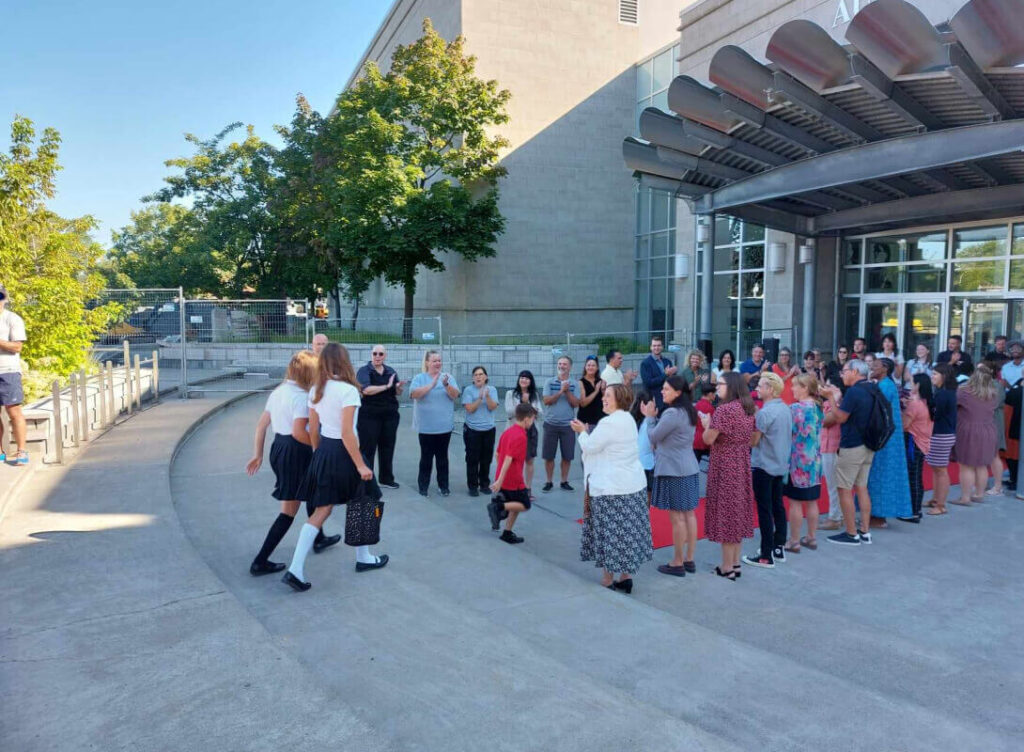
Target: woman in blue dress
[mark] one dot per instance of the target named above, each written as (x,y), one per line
(888,483)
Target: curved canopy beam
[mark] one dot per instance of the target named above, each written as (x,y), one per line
(693,100)
(806,52)
(896,37)
(667,130)
(871,161)
(735,71)
(992,32)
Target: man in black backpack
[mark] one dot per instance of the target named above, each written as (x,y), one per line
(853,462)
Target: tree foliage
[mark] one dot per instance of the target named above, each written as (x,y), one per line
(47,262)
(231,241)
(406,168)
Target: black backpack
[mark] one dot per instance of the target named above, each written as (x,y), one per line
(880,425)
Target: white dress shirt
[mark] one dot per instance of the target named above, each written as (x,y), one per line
(611,460)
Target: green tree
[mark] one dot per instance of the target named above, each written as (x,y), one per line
(231,185)
(407,167)
(160,248)
(47,262)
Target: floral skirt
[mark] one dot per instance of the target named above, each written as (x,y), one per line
(617,533)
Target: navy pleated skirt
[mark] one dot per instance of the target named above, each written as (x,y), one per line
(289,459)
(332,477)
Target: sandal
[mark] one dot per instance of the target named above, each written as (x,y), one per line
(727,575)
(793,548)
(937,511)
(931,504)
(994,492)
(961,503)
(811,543)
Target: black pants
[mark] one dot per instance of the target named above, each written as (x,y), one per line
(377,433)
(915,469)
(1011,465)
(479,450)
(771,514)
(434,447)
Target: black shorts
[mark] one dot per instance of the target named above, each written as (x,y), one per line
(522,495)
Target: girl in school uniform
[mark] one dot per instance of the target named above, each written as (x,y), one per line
(287,414)
(337,472)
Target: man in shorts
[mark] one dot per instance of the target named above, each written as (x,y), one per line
(12,337)
(853,461)
(561,397)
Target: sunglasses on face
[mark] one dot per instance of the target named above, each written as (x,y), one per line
(378,353)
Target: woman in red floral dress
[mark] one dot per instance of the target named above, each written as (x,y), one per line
(729,512)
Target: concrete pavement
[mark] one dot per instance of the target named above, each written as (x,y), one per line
(132,622)
(464,642)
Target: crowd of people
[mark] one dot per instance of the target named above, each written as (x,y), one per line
(857,429)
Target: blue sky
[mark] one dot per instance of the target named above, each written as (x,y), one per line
(123,81)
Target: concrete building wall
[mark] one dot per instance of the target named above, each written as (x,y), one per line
(565,260)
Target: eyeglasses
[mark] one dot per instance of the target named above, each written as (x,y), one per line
(378,353)
(843,352)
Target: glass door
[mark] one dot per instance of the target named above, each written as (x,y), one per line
(983,321)
(922,321)
(878,320)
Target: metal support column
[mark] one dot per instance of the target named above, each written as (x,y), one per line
(183,386)
(706,243)
(808,258)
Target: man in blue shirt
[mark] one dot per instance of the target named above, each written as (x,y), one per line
(561,398)
(754,364)
(654,369)
(853,461)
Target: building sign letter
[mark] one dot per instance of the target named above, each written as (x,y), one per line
(843,7)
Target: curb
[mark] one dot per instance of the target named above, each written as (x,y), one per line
(25,475)
(202,419)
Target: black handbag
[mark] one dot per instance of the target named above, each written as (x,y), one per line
(362,519)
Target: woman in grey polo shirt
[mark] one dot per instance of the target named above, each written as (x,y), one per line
(676,472)
(433,416)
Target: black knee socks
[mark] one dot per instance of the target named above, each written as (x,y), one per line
(274,535)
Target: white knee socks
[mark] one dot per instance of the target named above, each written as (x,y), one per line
(363,555)
(306,537)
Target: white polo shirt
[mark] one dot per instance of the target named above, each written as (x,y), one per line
(286,404)
(337,396)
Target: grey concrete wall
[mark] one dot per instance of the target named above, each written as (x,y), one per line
(565,260)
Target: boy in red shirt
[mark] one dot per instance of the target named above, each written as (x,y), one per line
(510,493)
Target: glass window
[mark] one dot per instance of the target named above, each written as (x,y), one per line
(851,252)
(753,285)
(1017,274)
(643,269)
(643,80)
(980,242)
(643,247)
(659,304)
(727,230)
(882,279)
(643,304)
(675,60)
(930,247)
(849,323)
(660,100)
(751,319)
(659,210)
(660,243)
(925,278)
(882,251)
(660,266)
(978,276)
(643,211)
(727,259)
(849,282)
(1018,240)
(753,233)
(753,257)
(662,71)
(889,250)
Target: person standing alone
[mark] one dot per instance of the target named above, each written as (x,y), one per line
(12,337)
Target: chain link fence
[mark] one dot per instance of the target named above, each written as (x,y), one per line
(360,330)
(146,319)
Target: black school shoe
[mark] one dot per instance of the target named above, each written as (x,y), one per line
(565,486)
(509,537)
(260,568)
(445,492)
(295,583)
(547,487)
(326,542)
(474,492)
(494,512)
(382,561)
(391,484)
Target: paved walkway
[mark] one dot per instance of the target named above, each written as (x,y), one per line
(133,620)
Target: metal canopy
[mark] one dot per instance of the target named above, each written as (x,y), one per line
(907,123)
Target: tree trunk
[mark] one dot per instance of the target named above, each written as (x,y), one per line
(336,297)
(410,292)
(355,314)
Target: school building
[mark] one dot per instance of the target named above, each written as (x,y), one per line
(733,170)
